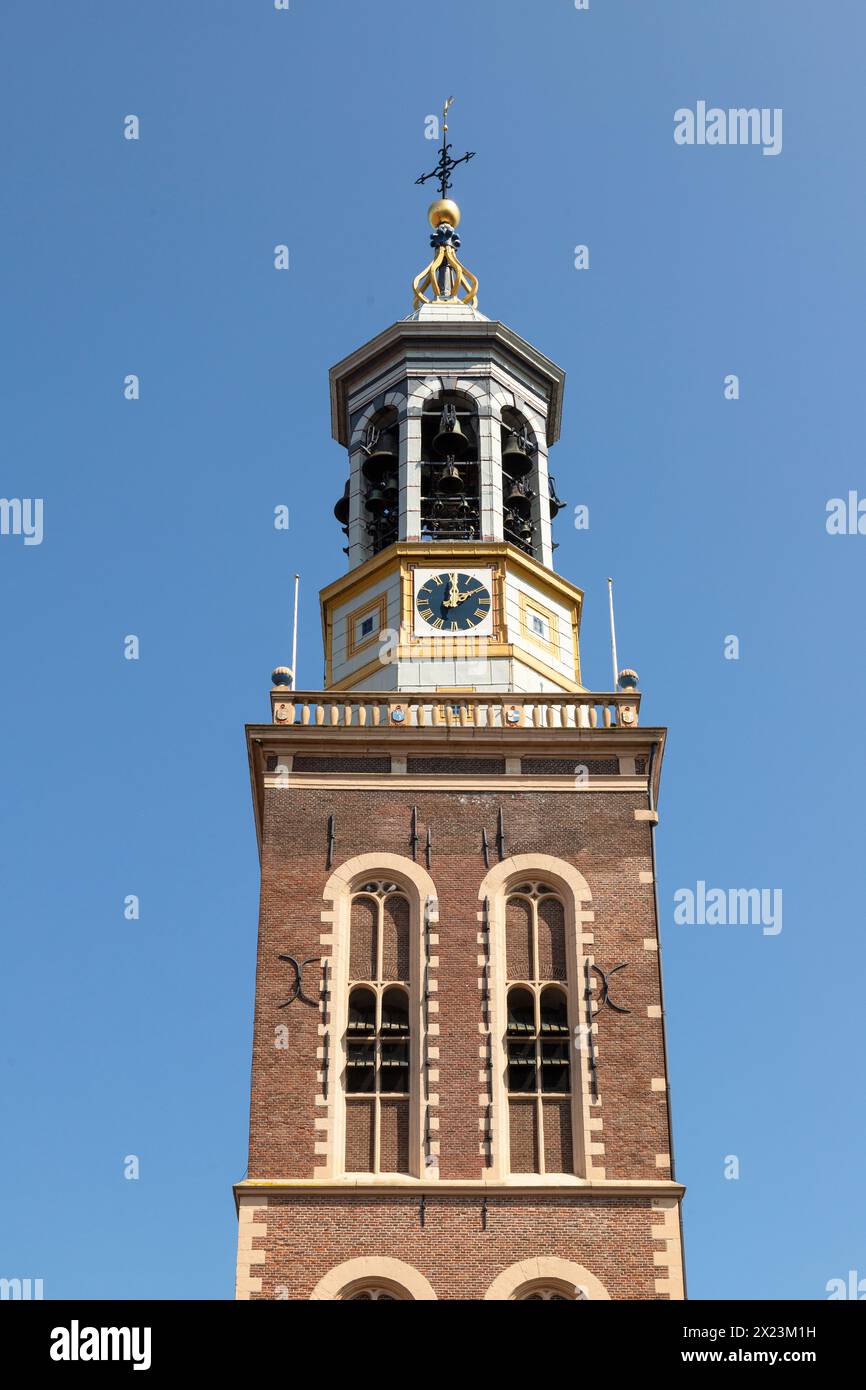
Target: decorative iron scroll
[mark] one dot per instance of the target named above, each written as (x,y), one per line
(296,989)
(604,998)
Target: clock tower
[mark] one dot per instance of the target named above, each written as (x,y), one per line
(459,1083)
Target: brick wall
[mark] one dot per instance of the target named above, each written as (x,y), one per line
(596,832)
(309,1235)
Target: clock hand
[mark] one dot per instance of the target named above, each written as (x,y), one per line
(456,596)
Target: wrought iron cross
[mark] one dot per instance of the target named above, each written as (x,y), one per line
(447,164)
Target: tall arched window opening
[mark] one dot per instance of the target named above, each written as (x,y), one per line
(519,480)
(375,1293)
(450,487)
(378,1043)
(538,1032)
(380,480)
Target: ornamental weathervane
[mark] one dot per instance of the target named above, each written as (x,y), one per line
(449,281)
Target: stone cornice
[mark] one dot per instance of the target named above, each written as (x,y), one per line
(601,1190)
(411,335)
(512,743)
(365,574)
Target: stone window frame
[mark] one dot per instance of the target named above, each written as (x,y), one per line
(381,1270)
(374,606)
(418,886)
(572,887)
(518,1279)
(550,1291)
(377,1290)
(537,988)
(381,890)
(529,606)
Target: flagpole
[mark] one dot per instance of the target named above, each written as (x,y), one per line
(295,637)
(612,635)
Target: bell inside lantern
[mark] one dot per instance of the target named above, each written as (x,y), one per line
(556,504)
(381,451)
(519,499)
(515,455)
(341,509)
(450,441)
(376,501)
(449,483)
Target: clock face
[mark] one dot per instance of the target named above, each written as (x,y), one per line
(451,602)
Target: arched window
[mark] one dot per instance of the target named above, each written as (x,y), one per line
(519,479)
(450,484)
(380,480)
(537,1032)
(367,1279)
(375,1293)
(550,1293)
(378,1043)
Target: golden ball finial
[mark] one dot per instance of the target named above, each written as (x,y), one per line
(443,210)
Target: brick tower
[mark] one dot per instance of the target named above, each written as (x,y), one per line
(459,1083)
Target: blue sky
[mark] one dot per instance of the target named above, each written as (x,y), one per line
(155,257)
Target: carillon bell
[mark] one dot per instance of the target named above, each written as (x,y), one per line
(376,501)
(450,441)
(519,499)
(515,455)
(381,451)
(341,509)
(449,483)
(556,503)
